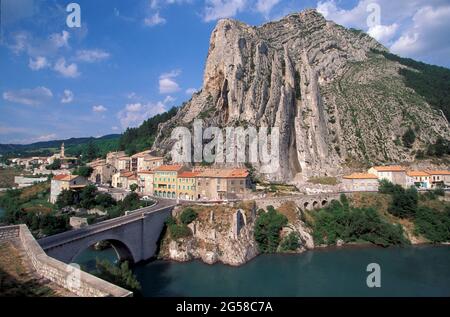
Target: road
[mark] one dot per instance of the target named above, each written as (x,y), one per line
(71,235)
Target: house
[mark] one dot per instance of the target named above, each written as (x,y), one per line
(439,178)
(186,188)
(419,179)
(65,182)
(165,180)
(395,174)
(102,172)
(145,161)
(112,158)
(124,163)
(123,179)
(145,182)
(220,184)
(360,182)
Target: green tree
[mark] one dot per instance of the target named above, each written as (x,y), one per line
(87,196)
(120,275)
(291,242)
(188,215)
(267,229)
(133,187)
(65,198)
(404,203)
(104,200)
(130,202)
(55,165)
(85,171)
(92,151)
(409,138)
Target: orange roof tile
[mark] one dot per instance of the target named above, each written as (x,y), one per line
(417,173)
(392,168)
(146,172)
(126,174)
(360,176)
(224,173)
(437,172)
(169,168)
(60,177)
(188,174)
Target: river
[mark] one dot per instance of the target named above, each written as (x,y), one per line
(408,271)
(2,212)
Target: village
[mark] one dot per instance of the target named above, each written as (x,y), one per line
(150,176)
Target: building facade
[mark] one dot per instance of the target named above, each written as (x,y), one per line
(395,174)
(65,182)
(360,182)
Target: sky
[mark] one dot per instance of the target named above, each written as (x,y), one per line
(130,60)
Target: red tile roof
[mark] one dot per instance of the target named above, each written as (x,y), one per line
(392,168)
(169,168)
(360,176)
(188,174)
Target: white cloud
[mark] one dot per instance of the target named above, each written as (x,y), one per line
(30,97)
(167,83)
(134,114)
(39,63)
(383,33)
(67,96)
(69,70)
(154,19)
(115,128)
(216,9)
(411,28)
(99,108)
(46,137)
(191,91)
(265,6)
(92,56)
(428,34)
(60,40)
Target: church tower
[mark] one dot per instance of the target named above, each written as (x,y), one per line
(62,150)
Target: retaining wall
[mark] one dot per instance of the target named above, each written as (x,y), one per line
(71,278)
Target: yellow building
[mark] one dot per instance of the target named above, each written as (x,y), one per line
(187,185)
(165,180)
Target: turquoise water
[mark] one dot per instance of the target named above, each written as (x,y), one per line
(410,271)
(2,212)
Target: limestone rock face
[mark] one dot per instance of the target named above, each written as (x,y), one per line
(333,96)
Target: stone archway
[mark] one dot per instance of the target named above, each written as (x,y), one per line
(315,204)
(324,202)
(123,252)
(305,205)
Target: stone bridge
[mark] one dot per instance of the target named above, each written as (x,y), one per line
(134,237)
(304,202)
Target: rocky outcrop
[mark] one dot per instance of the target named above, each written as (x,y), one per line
(220,234)
(334,97)
(225,234)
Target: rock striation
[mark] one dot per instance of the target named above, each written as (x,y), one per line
(331,91)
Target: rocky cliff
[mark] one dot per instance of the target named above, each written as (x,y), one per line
(333,93)
(225,233)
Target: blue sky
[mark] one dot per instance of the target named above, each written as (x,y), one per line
(133,59)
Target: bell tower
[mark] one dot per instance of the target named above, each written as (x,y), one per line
(62,149)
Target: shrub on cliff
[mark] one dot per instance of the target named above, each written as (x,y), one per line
(120,275)
(291,242)
(267,230)
(188,215)
(354,225)
(404,203)
(179,231)
(433,224)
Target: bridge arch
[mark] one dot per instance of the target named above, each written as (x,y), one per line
(324,202)
(315,204)
(123,251)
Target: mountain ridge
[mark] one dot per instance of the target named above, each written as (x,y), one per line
(337,94)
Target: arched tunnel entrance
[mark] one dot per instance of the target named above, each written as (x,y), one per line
(111,250)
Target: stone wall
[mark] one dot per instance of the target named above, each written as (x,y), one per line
(69,277)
